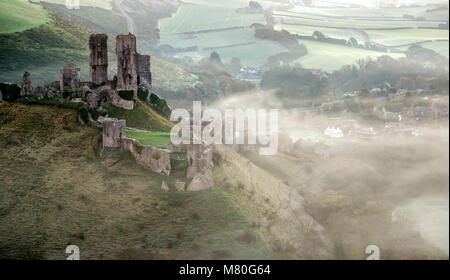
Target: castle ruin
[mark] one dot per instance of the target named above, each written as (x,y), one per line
(69,77)
(98,46)
(126,62)
(144,76)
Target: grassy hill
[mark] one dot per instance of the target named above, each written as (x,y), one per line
(44,51)
(55,191)
(20,15)
(142,117)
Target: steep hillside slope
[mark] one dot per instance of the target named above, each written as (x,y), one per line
(274,208)
(55,191)
(20,15)
(44,51)
(142,117)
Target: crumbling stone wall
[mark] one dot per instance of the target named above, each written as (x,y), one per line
(126,62)
(113,132)
(152,158)
(115,141)
(98,46)
(69,77)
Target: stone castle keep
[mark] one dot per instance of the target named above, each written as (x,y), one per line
(98,45)
(96,95)
(133,69)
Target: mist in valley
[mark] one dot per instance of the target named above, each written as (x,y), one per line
(390,190)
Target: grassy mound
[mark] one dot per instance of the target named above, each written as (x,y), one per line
(56,191)
(158,139)
(142,117)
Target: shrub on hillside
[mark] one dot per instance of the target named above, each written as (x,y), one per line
(142,94)
(126,94)
(83,113)
(160,105)
(10,92)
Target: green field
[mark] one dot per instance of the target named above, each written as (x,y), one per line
(190,18)
(371,13)
(330,57)
(253,54)
(329,32)
(104,4)
(239,43)
(157,139)
(20,15)
(355,23)
(232,4)
(406,36)
(440,47)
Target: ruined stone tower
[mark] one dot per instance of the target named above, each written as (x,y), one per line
(98,47)
(26,84)
(69,77)
(113,132)
(144,76)
(126,62)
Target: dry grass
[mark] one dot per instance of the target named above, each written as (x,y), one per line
(55,191)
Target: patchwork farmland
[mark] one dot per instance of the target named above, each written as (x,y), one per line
(200,27)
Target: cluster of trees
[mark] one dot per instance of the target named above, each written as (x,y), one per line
(288,40)
(294,82)
(370,73)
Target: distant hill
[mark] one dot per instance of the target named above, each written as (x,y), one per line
(20,15)
(44,50)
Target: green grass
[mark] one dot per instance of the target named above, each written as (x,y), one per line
(20,15)
(104,4)
(44,51)
(157,139)
(142,117)
(440,47)
(329,32)
(55,190)
(330,57)
(190,18)
(406,36)
(170,76)
(239,43)
(231,4)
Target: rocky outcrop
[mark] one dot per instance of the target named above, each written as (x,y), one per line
(202,181)
(164,186)
(69,77)
(99,98)
(40,92)
(180,186)
(199,158)
(121,103)
(26,84)
(98,46)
